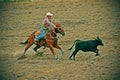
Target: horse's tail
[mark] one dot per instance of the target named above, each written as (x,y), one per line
(24,43)
(73,44)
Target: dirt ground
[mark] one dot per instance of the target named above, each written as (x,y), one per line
(81,19)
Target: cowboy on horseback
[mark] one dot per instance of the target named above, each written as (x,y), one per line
(47,26)
(47,39)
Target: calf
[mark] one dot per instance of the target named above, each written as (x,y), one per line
(90,45)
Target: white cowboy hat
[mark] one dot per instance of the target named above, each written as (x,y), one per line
(49,14)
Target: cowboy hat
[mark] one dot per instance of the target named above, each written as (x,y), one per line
(49,14)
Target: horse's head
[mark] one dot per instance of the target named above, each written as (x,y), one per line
(59,29)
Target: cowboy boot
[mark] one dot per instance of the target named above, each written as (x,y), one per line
(44,44)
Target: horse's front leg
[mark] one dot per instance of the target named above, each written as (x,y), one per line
(52,50)
(58,47)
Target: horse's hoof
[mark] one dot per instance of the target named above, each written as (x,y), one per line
(22,57)
(63,54)
(57,59)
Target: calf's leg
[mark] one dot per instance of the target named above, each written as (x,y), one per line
(73,54)
(96,51)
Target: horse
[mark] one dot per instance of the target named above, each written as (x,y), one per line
(50,40)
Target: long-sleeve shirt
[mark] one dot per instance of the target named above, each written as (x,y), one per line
(47,23)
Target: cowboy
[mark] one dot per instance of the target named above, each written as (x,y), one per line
(47,26)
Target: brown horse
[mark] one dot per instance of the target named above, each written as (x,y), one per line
(50,40)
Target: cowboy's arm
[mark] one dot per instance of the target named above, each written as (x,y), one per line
(50,24)
(53,25)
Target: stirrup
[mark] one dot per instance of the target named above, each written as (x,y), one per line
(36,41)
(44,44)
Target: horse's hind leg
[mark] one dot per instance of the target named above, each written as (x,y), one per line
(26,48)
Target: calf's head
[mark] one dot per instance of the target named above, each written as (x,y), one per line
(99,41)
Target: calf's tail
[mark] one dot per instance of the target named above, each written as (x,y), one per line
(73,44)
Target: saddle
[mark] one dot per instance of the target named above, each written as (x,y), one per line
(43,40)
